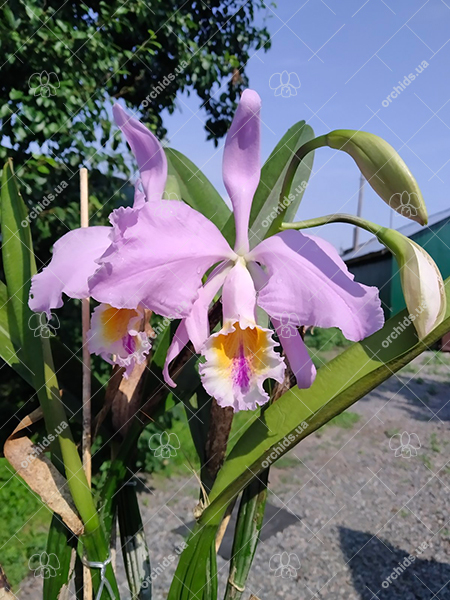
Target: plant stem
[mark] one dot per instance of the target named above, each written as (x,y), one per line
(336,218)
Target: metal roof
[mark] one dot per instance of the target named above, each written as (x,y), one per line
(373,246)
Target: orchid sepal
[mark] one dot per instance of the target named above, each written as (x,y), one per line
(421,280)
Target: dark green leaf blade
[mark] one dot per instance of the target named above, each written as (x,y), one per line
(10,348)
(18,262)
(62,543)
(135,552)
(196,189)
(246,535)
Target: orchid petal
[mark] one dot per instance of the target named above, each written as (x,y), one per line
(159,262)
(139,196)
(241,356)
(148,152)
(196,326)
(241,163)
(197,323)
(297,354)
(116,336)
(179,341)
(73,262)
(309,281)
(238,361)
(239,296)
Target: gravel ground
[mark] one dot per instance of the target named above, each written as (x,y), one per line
(346,510)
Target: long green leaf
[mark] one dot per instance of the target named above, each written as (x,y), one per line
(297,414)
(196,189)
(19,266)
(246,535)
(60,542)
(267,197)
(10,347)
(135,553)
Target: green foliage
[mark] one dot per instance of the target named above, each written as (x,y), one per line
(325,339)
(24,524)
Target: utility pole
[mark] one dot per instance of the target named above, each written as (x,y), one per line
(359,210)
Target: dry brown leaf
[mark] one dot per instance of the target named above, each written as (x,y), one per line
(40,474)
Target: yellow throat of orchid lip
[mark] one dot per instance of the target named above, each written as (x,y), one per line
(241,353)
(115,322)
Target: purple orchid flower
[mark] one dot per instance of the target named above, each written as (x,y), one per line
(118,335)
(159,263)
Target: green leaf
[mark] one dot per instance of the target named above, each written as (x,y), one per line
(135,552)
(10,348)
(266,203)
(196,190)
(297,414)
(60,542)
(18,263)
(246,534)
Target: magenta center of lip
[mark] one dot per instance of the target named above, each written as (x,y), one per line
(241,370)
(129,343)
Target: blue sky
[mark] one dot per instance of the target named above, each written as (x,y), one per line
(348,56)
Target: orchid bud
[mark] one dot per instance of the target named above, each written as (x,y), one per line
(384,169)
(422,283)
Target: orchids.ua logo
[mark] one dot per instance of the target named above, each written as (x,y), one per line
(404,564)
(404,324)
(43,84)
(43,445)
(164,444)
(284,445)
(41,206)
(44,565)
(285,565)
(405,203)
(405,444)
(288,327)
(404,83)
(165,207)
(165,82)
(42,327)
(285,84)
